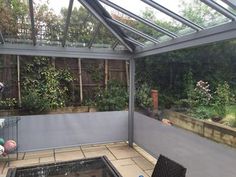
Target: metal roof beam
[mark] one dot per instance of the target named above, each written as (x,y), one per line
(231,3)
(215,34)
(95,33)
(101,14)
(1,38)
(173,15)
(135,42)
(67,22)
(133,30)
(31,10)
(66,52)
(220,9)
(114,45)
(147,22)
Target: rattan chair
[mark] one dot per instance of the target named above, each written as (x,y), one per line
(168,168)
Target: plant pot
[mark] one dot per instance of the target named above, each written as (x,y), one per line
(216,118)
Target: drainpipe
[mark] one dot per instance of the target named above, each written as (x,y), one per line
(18,80)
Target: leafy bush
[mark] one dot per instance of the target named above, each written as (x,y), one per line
(8,103)
(202,112)
(221,99)
(34,103)
(44,84)
(143,96)
(114,98)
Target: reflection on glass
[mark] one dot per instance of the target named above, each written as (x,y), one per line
(196,11)
(15,22)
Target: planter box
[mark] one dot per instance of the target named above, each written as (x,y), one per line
(70,109)
(211,130)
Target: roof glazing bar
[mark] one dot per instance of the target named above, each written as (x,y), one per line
(231,3)
(2,38)
(147,22)
(173,15)
(115,44)
(94,35)
(67,22)
(135,41)
(31,9)
(143,35)
(220,9)
(101,14)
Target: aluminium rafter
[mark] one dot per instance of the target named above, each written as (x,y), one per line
(220,9)
(67,22)
(2,38)
(95,33)
(133,30)
(231,3)
(66,52)
(113,46)
(173,15)
(215,34)
(136,17)
(135,41)
(31,10)
(101,14)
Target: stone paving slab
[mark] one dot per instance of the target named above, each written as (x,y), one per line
(123,152)
(66,156)
(38,154)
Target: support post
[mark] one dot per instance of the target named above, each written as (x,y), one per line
(18,80)
(131,103)
(80,80)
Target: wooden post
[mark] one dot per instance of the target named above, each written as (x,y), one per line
(18,80)
(106,73)
(80,80)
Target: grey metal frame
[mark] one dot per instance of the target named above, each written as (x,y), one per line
(147,22)
(133,30)
(1,38)
(173,15)
(115,44)
(100,13)
(134,41)
(95,33)
(67,22)
(131,102)
(31,10)
(220,9)
(68,52)
(218,33)
(231,3)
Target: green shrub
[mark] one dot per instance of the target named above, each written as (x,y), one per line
(35,103)
(8,103)
(143,96)
(114,98)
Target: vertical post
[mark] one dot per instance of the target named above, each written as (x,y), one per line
(18,80)
(131,102)
(80,80)
(127,74)
(106,73)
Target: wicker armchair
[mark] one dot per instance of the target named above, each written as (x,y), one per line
(168,168)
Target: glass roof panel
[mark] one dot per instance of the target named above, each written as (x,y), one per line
(49,30)
(157,17)
(223,4)
(81,27)
(196,11)
(15,22)
(135,24)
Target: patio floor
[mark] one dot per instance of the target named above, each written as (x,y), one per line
(128,161)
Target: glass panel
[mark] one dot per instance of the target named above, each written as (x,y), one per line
(135,24)
(196,11)
(151,14)
(104,38)
(48,26)
(223,4)
(15,22)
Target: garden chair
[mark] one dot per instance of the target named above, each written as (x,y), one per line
(168,168)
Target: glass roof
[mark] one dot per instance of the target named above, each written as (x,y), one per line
(110,23)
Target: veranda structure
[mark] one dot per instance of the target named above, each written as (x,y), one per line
(129,43)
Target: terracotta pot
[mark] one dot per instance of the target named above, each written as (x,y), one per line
(154,94)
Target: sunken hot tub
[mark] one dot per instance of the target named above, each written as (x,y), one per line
(92,167)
